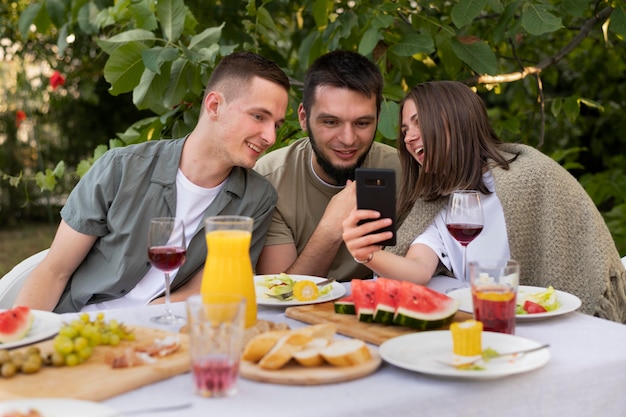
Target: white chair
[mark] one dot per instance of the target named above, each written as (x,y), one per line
(11,283)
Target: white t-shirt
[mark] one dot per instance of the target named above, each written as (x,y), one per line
(492,243)
(191,203)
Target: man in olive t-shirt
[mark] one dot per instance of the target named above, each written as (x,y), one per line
(314,176)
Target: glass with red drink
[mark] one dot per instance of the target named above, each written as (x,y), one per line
(494,290)
(216,330)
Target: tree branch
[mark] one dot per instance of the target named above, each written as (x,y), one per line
(536,69)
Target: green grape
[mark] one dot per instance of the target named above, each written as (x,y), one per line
(63,344)
(76,340)
(72,359)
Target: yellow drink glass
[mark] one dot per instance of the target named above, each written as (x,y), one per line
(228,268)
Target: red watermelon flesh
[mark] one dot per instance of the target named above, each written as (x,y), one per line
(420,307)
(387,295)
(15,323)
(364,294)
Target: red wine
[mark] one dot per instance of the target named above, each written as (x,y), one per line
(167,258)
(215,377)
(464,233)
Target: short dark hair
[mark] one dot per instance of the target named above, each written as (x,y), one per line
(343,69)
(236,70)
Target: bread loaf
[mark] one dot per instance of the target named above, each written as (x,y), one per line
(346,352)
(310,354)
(260,344)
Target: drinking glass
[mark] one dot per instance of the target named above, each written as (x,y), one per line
(464,220)
(494,291)
(167,252)
(216,330)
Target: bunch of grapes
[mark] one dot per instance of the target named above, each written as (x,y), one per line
(76,340)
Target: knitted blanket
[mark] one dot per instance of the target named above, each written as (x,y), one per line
(554,229)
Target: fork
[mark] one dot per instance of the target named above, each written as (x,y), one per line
(486,358)
(288,294)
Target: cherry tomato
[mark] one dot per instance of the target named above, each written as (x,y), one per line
(532,307)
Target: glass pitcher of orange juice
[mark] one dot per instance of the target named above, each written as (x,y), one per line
(228,268)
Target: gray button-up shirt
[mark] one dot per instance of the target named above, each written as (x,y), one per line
(115,201)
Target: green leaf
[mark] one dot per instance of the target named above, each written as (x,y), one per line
(143,15)
(388,123)
(47,181)
(265,19)
(151,89)
(177,86)
(477,54)
(320,13)
(153,58)
(466,10)
(537,19)
(59,169)
(87,18)
(99,151)
(575,8)
(571,107)
(56,11)
(618,20)
(207,38)
(82,168)
(134,35)
(125,67)
(368,41)
(556,107)
(62,39)
(591,103)
(27,19)
(116,143)
(413,44)
(171,16)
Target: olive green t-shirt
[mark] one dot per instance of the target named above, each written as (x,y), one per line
(303,197)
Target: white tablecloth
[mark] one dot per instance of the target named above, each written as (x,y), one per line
(586,377)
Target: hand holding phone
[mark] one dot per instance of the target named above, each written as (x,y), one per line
(376,190)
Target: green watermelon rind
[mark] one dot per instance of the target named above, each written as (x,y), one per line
(344,307)
(423,321)
(384,314)
(366,315)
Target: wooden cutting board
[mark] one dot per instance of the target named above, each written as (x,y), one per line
(295,374)
(95,379)
(347,324)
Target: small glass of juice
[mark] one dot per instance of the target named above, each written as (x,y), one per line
(494,291)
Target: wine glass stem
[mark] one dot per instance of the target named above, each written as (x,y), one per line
(168,311)
(464,265)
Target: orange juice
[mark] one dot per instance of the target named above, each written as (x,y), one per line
(228,268)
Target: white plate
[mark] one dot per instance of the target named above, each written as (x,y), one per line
(58,407)
(45,325)
(337,291)
(420,352)
(569,302)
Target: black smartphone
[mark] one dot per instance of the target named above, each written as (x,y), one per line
(376,190)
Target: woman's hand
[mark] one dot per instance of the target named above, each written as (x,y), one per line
(361,240)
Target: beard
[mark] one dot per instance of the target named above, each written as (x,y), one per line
(340,175)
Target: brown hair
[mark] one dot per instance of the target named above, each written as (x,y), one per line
(458,141)
(235,71)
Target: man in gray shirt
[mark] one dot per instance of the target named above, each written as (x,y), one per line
(99,253)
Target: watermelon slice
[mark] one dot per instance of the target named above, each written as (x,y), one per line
(421,308)
(364,293)
(345,305)
(15,323)
(387,292)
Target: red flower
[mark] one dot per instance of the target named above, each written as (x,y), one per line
(20,116)
(56,80)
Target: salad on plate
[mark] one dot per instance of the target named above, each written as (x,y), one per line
(302,290)
(536,302)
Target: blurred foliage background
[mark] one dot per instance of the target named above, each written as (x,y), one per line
(78,77)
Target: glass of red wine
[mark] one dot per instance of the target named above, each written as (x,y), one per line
(167,252)
(464,220)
